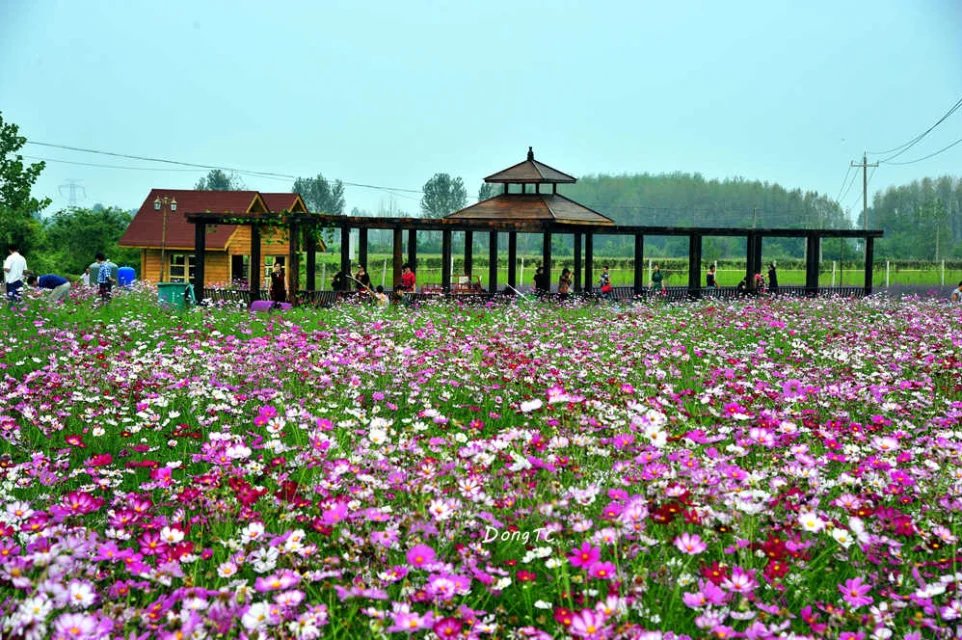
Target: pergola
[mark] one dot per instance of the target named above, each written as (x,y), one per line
(529,209)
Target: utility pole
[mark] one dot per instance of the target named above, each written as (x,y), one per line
(865,165)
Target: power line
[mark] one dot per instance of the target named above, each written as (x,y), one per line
(263,174)
(107,166)
(839,196)
(946,148)
(899,150)
(850,183)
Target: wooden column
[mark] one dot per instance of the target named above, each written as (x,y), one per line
(639,282)
(293,262)
(513,259)
(413,249)
(694,265)
(812,247)
(750,241)
(468,252)
(346,254)
(200,254)
(493,261)
(577,267)
(869,263)
(446,260)
(546,258)
(757,258)
(589,258)
(362,247)
(398,257)
(310,250)
(255,282)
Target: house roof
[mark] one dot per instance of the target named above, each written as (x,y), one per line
(532,206)
(529,172)
(147,227)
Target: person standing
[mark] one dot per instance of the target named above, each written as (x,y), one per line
(105,276)
(278,291)
(772,278)
(657,279)
(605,282)
(85,277)
(710,280)
(13,269)
(58,286)
(564,283)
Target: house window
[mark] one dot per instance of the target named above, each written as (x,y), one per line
(181,267)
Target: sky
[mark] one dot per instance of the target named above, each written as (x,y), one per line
(389,93)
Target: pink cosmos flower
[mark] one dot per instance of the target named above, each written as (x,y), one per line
(740,581)
(420,555)
(447,627)
(793,389)
(855,593)
(589,624)
(692,544)
(602,570)
(585,556)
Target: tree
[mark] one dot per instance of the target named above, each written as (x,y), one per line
(19,211)
(74,236)
(487,190)
(442,195)
(321,195)
(217,180)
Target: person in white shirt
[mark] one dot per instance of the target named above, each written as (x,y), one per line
(13,268)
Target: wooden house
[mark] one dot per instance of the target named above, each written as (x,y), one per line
(166,239)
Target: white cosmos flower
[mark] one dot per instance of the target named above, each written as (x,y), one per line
(811,522)
(531,405)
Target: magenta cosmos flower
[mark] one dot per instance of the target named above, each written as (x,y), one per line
(584,556)
(855,593)
(420,555)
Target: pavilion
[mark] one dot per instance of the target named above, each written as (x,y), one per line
(529,203)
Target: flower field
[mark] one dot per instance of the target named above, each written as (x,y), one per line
(766,469)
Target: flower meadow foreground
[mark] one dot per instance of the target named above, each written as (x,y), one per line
(761,469)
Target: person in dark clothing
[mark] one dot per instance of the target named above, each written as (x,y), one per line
(339,282)
(540,285)
(710,280)
(278,291)
(58,286)
(362,281)
(772,278)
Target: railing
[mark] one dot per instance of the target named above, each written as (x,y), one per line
(228,296)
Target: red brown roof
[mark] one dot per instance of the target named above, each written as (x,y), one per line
(147,227)
(277,202)
(532,206)
(530,171)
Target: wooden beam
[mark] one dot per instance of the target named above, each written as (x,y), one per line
(493,261)
(869,264)
(589,259)
(346,253)
(446,260)
(413,249)
(468,253)
(812,251)
(513,259)
(255,283)
(293,262)
(546,258)
(200,254)
(577,265)
(639,282)
(310,250)
(398,257)
(694,265)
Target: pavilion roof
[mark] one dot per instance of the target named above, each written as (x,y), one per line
(530,172)
(549,207)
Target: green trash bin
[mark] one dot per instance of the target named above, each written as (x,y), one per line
(176,295)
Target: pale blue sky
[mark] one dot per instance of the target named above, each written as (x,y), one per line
(388,93)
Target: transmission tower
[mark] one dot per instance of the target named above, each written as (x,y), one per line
(72,187)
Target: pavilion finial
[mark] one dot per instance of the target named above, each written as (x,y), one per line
(530,154)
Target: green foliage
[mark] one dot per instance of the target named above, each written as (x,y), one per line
(487,190)
(921,220)
(19,211)
(443,195)
(218,180)
(74,236)
(321,195)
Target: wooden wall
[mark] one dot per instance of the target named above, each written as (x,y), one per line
(273,242)
(216,266)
